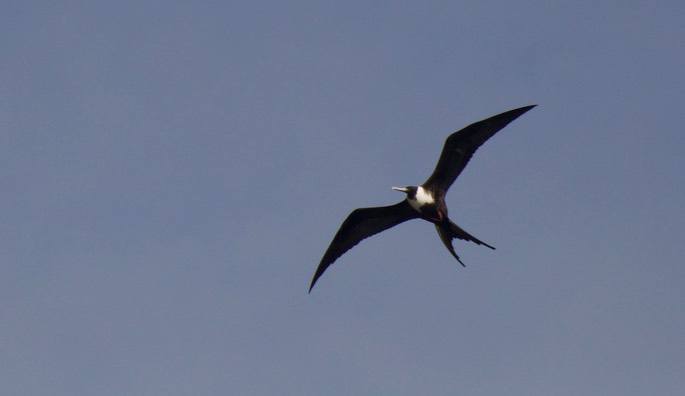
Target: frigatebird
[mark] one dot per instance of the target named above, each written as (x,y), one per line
(426,201)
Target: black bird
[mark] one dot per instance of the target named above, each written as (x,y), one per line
(426,201)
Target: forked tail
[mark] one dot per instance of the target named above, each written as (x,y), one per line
(448,232)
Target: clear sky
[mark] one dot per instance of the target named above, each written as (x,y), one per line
(172,173)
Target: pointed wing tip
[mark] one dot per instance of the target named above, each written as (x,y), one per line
(524,109)
(311,285)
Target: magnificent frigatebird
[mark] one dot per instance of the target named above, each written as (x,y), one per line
(426,201)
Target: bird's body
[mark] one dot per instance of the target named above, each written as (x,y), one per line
(426,201)
(421,200)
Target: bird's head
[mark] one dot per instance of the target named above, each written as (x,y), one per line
(409,190)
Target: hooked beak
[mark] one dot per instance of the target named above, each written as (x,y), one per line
(403,189)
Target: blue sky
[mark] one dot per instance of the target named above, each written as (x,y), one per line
(172,173)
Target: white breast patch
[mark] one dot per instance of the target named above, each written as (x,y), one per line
(423,197)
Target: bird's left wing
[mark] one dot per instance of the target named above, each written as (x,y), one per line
(360,224)
(461,145)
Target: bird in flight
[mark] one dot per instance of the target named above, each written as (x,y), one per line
(426,201)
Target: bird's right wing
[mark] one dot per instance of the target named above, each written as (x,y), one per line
(360,224)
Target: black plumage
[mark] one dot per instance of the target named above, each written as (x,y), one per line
(426,201)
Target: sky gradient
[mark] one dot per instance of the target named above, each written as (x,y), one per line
(172,173)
